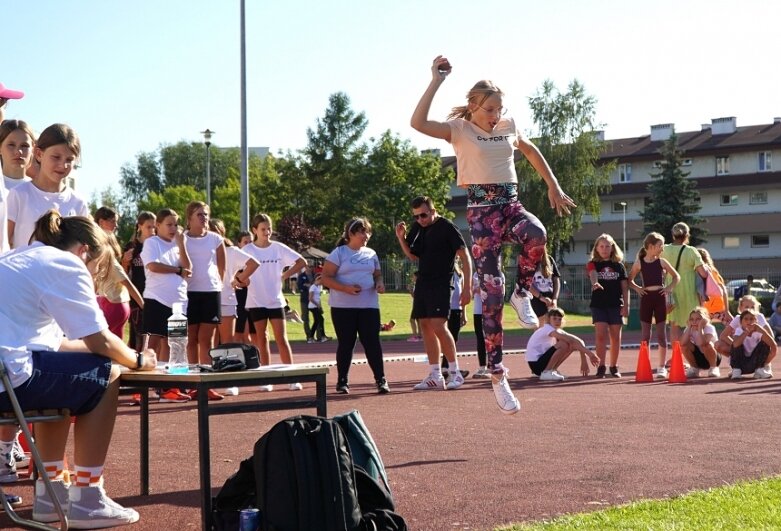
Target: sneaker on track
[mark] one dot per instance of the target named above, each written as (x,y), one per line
(505,398)
(43,507)
(90,508)
(232,391)
(481,374)
(173,396)
(21,458)
(455,380)
(552,376)
(382,386)
(295,386)
(661,373)
(266,388)
(431,382)
(737,374)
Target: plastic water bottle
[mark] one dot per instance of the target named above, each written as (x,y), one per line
(177,341)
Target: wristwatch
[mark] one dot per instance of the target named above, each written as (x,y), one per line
(139,360)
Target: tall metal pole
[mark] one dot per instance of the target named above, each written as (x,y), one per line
(623,226)
(207,139)
(244,165)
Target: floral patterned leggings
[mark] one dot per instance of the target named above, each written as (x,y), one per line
(490,227)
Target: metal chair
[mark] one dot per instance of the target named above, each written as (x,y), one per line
(22,419)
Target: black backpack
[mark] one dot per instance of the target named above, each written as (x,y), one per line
(304,477)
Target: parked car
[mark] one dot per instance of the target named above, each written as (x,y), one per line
(760,288)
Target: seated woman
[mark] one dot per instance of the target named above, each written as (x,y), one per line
(47,293)
(698,345)
(753,348)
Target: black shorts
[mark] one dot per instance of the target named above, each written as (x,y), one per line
(204,307)
(155,317)
(262,314)
(653,305)
(538,366)
(431,300)
(539,307)
(701,361)
(611,316)
(242,315)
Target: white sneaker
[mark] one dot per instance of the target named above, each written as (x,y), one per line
(737,374)
(21,458)
(267,388)
(552,376)
(8,472)
(523,307)
(763,373)
(43,506)
(232,391)
(430,382)
(661,373)
(692,372)
(481,374)
(296,386)
(90,508)
(505,398)
(455,380)
(714,372)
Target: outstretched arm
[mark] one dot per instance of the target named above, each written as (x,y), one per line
(559,201)
(420,120)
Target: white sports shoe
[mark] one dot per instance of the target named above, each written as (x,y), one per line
(91,508)
(505,398)
(661,373)
(763,373)
(523,307)
(232,391)
(267,388)
(481,374)
(737,374)
(432,381)
(296,386)
(552,376)
(43,506)
(454,380)
(714,372)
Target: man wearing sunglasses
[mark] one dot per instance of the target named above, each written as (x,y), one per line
(433,243)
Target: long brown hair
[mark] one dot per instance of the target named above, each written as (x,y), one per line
(65,232)
(652,238)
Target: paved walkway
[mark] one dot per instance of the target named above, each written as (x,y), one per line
(456,462)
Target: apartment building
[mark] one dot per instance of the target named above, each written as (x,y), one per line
(739,187)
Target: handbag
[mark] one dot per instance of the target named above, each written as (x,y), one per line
(225,356)
(671,302)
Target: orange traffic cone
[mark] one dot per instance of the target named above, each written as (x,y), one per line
(643,373)
(677,372)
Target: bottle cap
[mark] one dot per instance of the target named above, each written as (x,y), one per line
(177,307)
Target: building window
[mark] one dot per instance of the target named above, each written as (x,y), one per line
(722,165)
(765,161)
(760,240)
(624,173)
(686,162)
(729,199)
(618,208)
(730,242)
(758,198)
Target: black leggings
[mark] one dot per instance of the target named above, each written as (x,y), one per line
(477,321)
(362,323)
(318,325)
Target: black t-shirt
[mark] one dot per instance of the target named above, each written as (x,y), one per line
(609,275)
(435,246)
(137,273)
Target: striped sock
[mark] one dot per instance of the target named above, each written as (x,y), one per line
(54,469)
(87,476)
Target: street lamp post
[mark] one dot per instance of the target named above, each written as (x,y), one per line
(207,139)
(623,225)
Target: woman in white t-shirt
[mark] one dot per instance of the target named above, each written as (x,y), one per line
(16,151)
(58,352)
(265,301)
(484,142)
(207,261)
(57,151)
(239,266)
(352,274)
(167,266)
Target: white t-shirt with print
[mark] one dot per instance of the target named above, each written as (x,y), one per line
(202,251)
(46,293)
(484,158)
(265,288)
(27,203)
(315,292)
(540,341)
(235,261)
(165,288)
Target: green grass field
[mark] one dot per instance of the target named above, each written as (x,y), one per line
(397,306)
(745,505)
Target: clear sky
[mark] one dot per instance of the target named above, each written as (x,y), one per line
(128,76)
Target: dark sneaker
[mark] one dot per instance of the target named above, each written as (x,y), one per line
(601,371)
(614,372)
(382,386)
(342,387)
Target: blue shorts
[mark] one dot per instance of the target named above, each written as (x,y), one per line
(611,316)
(75,381)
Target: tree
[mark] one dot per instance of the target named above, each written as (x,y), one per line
(293,231)
(566,136)
(673,197)
(174,197)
